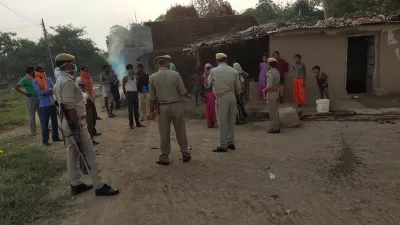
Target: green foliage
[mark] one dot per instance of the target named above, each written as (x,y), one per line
(137,34)
(311,10)
(206,8)
(177,12)
(12,109)
(337,8)
(16,53)
(24,186)
(301,10)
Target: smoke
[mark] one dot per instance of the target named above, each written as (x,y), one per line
(115,56)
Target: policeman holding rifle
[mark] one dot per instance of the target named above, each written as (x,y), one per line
(74,127)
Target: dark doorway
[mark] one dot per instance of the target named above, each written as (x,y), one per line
(360,64)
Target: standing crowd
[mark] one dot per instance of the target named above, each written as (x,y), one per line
(70,103)
(299,73)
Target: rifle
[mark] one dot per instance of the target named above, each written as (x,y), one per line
(74,134)
(59,121)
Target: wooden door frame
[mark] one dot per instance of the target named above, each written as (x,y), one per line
(376,43)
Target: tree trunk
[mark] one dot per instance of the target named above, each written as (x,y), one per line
(324,6)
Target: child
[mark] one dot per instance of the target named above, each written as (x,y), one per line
(300,77)
(322,82)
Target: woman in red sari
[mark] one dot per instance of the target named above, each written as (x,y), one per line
(209,98)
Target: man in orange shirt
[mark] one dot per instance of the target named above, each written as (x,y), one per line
(86,79)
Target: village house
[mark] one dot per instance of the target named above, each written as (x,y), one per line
(171,36)
(360,55)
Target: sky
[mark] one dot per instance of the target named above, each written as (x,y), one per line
(96,15)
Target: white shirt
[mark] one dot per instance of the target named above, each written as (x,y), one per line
(131,85)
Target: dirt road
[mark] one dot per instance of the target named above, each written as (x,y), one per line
(336,173)
(326,173)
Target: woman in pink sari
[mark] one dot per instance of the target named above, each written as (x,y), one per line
(209,98)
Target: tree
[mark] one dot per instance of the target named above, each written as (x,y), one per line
(301,10)
(160,18)
(177,12)
(207,7)
(122,37)
(266,10)
(224,9)
(16,53)
(337,8)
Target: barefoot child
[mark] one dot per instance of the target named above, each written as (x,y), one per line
(322,82)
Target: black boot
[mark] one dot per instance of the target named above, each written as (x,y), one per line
(106,191)
(220,150)
(138,124)
(274,131)
(76,190)
(231,147)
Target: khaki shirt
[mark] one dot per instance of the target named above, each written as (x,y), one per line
(68,93)
(224,79)
(166,86)
(273,78)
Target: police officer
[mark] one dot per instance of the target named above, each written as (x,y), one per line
(166,89)
(226,86)
(72,103)
(272,89)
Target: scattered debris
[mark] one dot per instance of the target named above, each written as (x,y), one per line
(289,212)
(268,169)
(386,121)
(355,97)
(273,197)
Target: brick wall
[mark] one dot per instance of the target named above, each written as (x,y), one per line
(180,33)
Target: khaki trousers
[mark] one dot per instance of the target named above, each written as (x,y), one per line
(33,109)
(73,155)
(226,114)
(272,101)
(174,113)
(144,105)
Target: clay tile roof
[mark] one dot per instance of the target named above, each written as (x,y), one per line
(278,27)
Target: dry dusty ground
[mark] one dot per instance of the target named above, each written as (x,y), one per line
(326,173)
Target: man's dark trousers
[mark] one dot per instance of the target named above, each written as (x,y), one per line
(132,97)
(45,113)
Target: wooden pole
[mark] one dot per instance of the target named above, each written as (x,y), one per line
(47,44)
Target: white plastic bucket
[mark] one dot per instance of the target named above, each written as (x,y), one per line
(323,105)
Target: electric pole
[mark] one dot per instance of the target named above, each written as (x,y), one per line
(47,43)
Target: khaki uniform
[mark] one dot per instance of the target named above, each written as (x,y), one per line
(68,93)
(273,78)
(226,85)
(167,88)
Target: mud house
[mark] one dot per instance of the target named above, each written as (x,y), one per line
(246,47)
(171,36)
(361,55)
